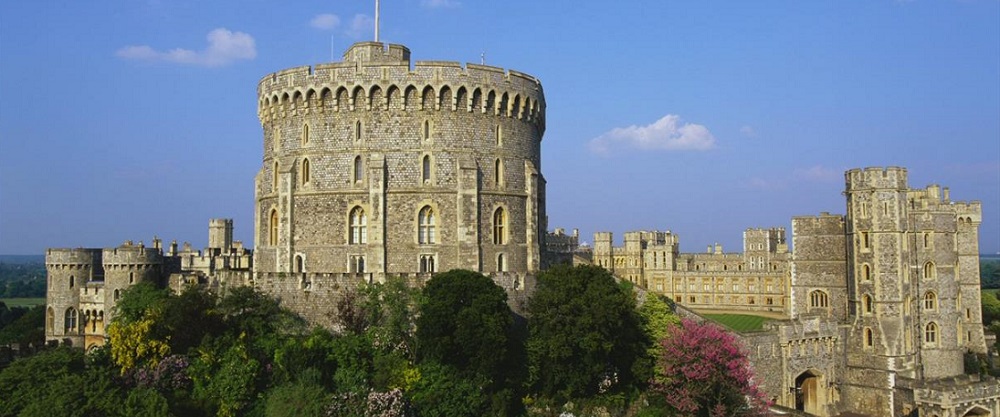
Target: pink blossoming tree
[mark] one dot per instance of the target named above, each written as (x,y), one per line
(705,372)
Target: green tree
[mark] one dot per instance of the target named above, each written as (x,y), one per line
(29,328)
(443,392)
(991,307)
(658,318)
(585,334)
(465,323)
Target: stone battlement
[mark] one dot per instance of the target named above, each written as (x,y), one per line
(876,177)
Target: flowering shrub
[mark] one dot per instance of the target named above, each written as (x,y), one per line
(705,372)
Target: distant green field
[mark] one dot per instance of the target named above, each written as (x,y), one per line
(995,291)
(739,322)
(22,302)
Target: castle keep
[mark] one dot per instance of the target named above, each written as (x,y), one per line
(377,166)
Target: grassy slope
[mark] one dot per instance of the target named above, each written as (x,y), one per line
(739,322)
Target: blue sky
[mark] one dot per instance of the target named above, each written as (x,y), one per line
(127,119)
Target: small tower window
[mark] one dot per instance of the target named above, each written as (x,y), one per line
(299,264)
(305,134)
(869,307)
(427,129)
(273,235)
(501,263)
(274,179)
(930,333)
(357,264)
(427,264)
(818,298)
(72,281)
(498,172)
(426,226)
(930,300)
(865,240)
(869,338)
(71,320)
(358,227)
(305,171)
(359,169)
(929,270)
(499,136)
(357,131)
(866,272)
(425,169)
(499,227)
(131,277)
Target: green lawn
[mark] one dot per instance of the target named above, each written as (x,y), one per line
(739,322)
(22,302)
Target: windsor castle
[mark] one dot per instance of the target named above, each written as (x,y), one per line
(377,166)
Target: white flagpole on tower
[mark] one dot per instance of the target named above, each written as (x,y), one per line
(376,20)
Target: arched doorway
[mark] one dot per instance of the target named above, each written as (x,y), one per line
(976,411)
(809,395)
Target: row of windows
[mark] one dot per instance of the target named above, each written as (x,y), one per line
(732,300)
(929,271)
(358,133)
(818,298)
(73,319)
(359,171)
(357,226)
(930,335)
(427,264)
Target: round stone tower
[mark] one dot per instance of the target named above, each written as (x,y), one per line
(68,271)
(373,165)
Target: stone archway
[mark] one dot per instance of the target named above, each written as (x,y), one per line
(977,411)
(810,395)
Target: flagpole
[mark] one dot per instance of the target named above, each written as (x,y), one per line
(376,20)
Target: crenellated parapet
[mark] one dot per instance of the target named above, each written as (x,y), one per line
(367,80)
(894,178)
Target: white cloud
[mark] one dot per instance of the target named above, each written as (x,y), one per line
(819,173)
(669,134)
(224,47)
(748,132)
(325,21)
(434,4)
(360,25)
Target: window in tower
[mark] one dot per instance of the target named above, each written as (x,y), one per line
(927,240)
(930,333)
(274,177)
(498,172)
(501,263)
(72,281)
(425,169)
(357,130)
(70,320)
(930,300)
(358,227)
(866,301)
(273,234)
(866,272)
(427,263)
(427,129)
(305,171)
(357,264)
(305,134)
(818,298)
(869,338)
(359,169)
(426,226)
(499,136)
(929,271)
(865,240)
(499,227)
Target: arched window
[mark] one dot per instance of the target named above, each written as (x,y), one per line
(118,294)
(501,263)
(869,337)
(358,264)
(930,300)
(426,226)
(929,271)
(305,171)
(499,227)
(358,227)
(427,129)
(299,267)
(499,134)
(866,272)
(818,298)
(357,130)
(71,322)
(930,333)
(927,240)
(425,171)
(72,281)
(427,263)
(866,301)
(305,134)
(498,172)
(359,169)
(272,238)
(274,177)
